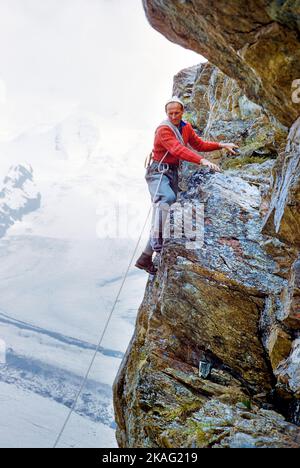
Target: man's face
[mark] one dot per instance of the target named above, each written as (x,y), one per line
(174,113)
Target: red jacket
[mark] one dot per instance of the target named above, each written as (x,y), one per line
(165,139)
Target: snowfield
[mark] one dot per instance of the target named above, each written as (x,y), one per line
(62,263)
(28,420)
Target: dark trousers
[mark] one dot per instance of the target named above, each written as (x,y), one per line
(166,195)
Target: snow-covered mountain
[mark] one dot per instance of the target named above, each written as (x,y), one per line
(60,273)
(18,196)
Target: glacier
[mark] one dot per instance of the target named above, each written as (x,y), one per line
(60,274)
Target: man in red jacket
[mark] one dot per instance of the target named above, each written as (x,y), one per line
(170,147)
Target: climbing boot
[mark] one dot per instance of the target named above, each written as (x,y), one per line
(144,262)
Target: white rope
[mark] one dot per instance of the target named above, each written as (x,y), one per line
(108,320)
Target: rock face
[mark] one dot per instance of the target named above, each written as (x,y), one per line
(219,110)
(215,358)
(205,305)
(282,221)
(233,303)
(283,218)
(18,196)
(256,43)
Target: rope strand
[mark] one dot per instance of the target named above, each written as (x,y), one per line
(72,409)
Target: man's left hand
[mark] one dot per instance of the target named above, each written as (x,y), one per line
(229,147)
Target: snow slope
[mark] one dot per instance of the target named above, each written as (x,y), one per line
(28,420)
(61,268)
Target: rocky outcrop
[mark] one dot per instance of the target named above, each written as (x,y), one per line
(18,196)
(227,304)
(283,219)
(282,225)
(219,110)
(259,134)
(205,305)
(215,358)
(256,43)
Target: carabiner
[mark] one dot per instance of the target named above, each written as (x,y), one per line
(163,167)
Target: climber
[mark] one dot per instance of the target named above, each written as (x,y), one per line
(170,147)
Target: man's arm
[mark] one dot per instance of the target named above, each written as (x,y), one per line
(200,145)
(169,141)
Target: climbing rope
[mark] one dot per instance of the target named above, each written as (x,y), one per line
(161,170)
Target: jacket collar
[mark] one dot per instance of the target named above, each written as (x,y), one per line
(175,129)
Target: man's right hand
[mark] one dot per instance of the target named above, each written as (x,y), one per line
(215,167)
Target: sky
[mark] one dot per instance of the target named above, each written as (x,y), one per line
(100,56)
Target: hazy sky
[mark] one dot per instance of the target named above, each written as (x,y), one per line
(97,55)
